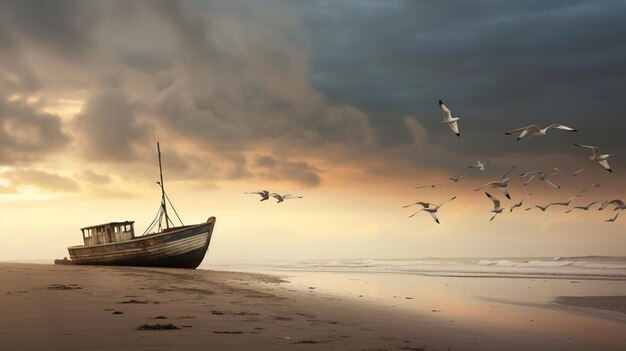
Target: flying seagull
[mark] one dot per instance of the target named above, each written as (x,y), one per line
(598,156)
(480,165)
(614,218)
(420,203)
(433,210)
(555,171)
(428,186)
(619,204)
(593,185)
(282,198)
(456,179)
(584,208)
(500,184)
(264,194)
(519,203)
(448,119)
(542,208)
(536,131)
(539,175)
(496,206)
(564,203)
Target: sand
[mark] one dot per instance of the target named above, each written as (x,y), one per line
(51,307)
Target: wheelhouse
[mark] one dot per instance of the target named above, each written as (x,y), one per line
(108,233)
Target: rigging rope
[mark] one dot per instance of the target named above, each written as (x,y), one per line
(175,212)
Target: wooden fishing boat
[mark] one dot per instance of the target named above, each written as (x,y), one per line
(115,243)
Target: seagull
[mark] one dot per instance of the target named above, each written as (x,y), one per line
(480,165)
(597,185)
(536,132)
(541,176)
(282,198)
(447,118)
(433,210)
(542,208)
(584,208)
(428,186)
(496,206)
(456,179)
(614,218)
(264,194)
(619,204)
(421,203)
(555,171)
(564,203)
(500,184)
(597,156)
(519,203)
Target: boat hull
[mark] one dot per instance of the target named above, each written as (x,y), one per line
(183,247)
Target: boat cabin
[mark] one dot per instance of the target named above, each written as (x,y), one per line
(108,233)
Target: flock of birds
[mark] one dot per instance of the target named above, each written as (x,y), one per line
(265,195)
(502,184)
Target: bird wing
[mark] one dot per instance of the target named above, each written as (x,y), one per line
(496,202)
(445,202)
(289,196)
(416,213)
(421,203)
(507,173)
(551,183)
(447,115)
(434,215)
(617,202)
(505,192)
(455,128)
(605,164)
(486,185)
(531,128)
(578,171)
(561,127)
(492,217)
(516,131)
(595,149)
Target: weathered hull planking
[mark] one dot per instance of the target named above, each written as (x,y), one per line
(182,247)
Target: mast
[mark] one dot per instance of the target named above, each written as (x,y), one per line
(163,203)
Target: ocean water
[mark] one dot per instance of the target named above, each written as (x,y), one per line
(591,267)
(513,298)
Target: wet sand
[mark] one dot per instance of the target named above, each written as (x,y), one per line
(102,308)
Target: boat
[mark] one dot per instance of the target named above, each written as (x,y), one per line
(115,243)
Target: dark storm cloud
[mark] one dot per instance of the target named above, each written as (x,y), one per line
(26,134)
(109,129)
(500,65)
(61,25)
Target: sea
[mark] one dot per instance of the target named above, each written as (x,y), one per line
(588,267)
(493,297)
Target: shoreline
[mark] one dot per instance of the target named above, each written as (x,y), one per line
(97,307)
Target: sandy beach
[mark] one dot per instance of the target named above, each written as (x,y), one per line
(100,308)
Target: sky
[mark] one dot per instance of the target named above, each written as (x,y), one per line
(335,101)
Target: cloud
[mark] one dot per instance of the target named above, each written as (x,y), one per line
(108,128)
(278,169)
(92,177)
(22,178)
(26,133)
(64,26)
(497,65)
